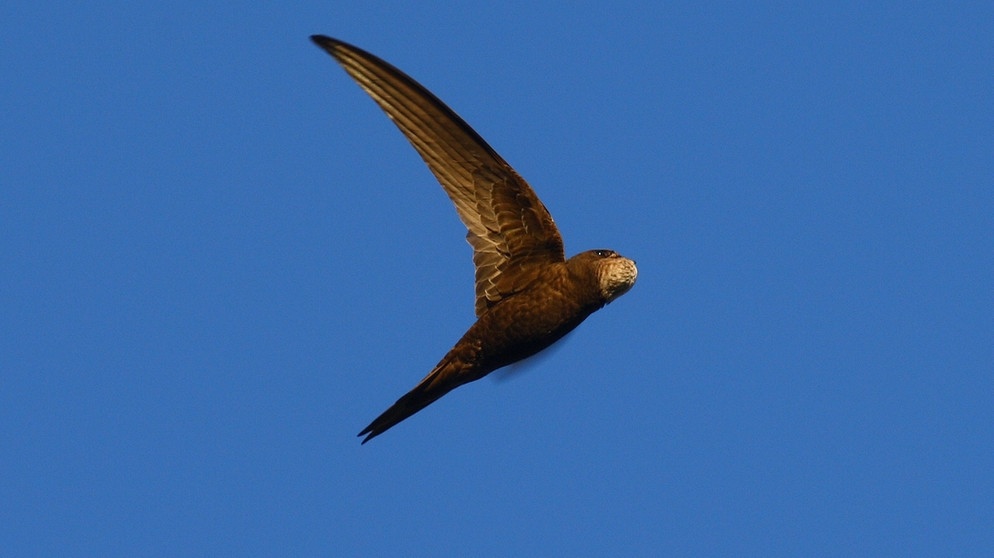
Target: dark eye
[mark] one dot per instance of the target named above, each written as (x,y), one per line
(603,253)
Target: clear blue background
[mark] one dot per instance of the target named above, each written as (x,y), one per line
(220,261)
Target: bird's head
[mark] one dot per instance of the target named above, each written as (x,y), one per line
(614,273)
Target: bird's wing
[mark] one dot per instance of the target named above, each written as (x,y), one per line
(511,232)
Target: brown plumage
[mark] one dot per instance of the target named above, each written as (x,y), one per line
(528,295)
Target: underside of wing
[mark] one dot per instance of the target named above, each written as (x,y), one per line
(511,232)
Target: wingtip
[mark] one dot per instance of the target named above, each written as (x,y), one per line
(326,43)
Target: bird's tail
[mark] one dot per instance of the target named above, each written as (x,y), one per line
(441,380)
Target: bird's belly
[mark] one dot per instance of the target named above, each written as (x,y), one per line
(517,329)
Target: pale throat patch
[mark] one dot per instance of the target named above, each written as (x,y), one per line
(616,276)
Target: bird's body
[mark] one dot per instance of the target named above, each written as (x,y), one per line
(528,295)
(511,330)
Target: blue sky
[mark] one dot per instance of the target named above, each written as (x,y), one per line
(221,261)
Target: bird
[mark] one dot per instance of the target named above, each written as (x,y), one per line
(528,294)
